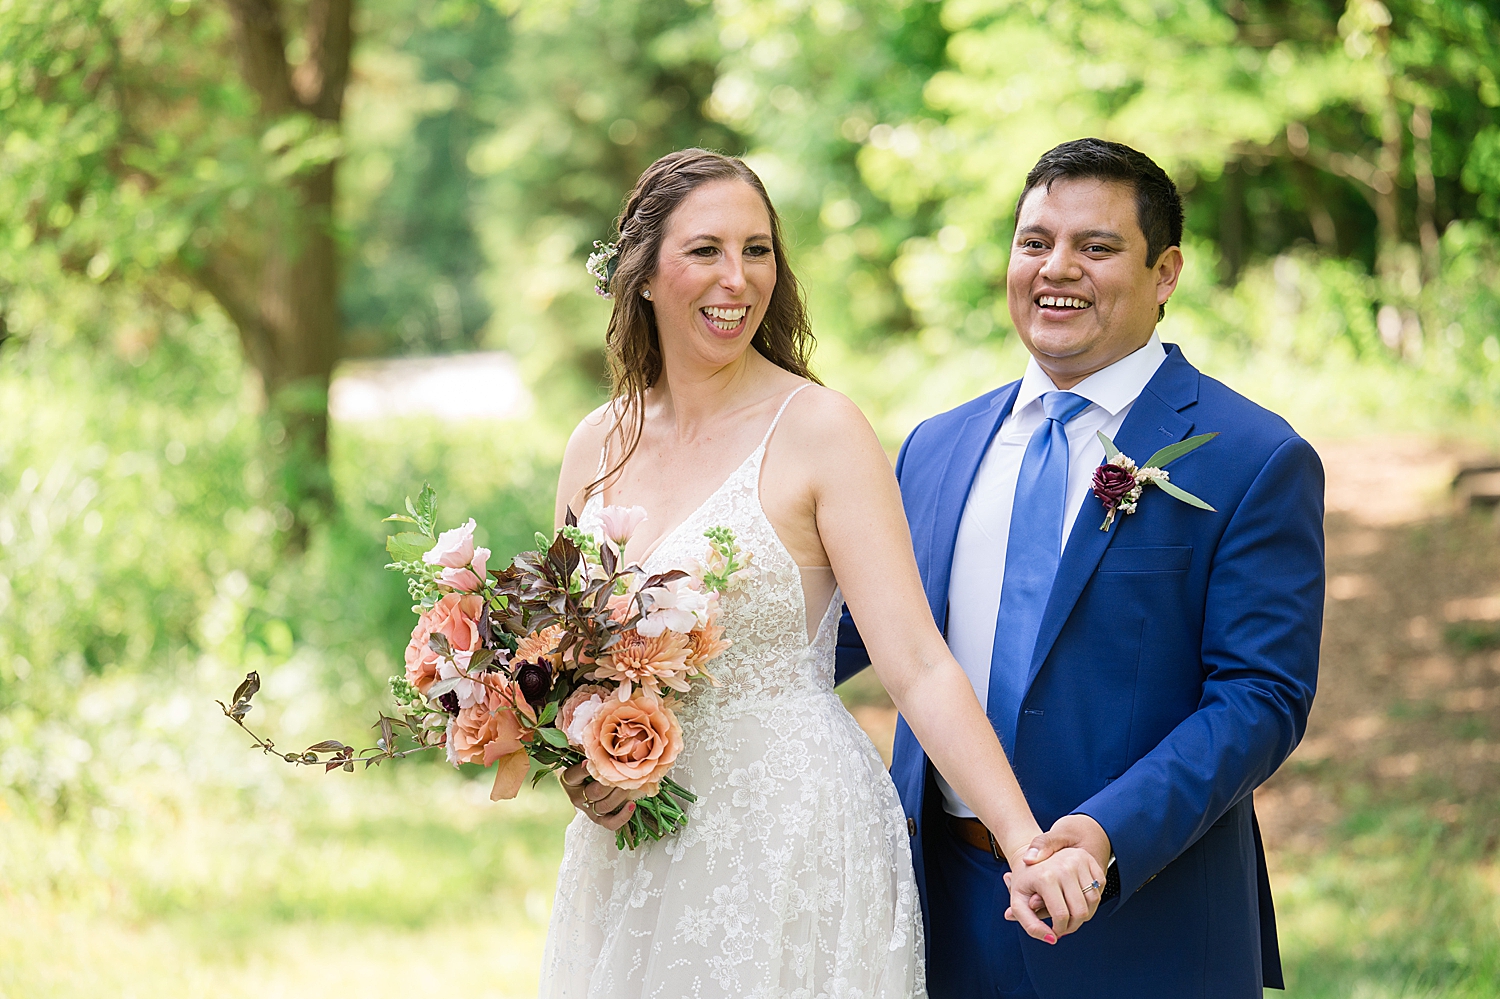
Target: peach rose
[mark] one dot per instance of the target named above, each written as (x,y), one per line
(632,744)
(456,618)
(483,733)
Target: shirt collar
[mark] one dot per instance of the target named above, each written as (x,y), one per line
(1111,388)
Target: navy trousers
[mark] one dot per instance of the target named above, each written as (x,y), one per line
(972,951)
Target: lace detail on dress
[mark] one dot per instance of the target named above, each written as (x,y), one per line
(793,878)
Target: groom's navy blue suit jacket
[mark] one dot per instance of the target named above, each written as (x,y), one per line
(1173,673)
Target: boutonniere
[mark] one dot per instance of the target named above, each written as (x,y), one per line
(1119,481)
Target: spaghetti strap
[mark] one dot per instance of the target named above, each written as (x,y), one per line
(777,418)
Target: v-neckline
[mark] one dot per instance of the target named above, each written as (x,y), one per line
(655,545)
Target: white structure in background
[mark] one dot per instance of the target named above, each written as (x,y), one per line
(450,387)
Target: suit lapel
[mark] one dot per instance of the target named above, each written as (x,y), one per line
(953,493)
(1153,423)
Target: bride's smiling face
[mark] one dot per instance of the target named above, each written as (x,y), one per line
(715,273)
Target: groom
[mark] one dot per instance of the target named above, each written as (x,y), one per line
(1144,679)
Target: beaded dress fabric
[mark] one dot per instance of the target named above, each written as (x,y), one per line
(793,878)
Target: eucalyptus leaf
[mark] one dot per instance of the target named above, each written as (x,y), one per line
(1182,494)
(1110,451)
(1172,452)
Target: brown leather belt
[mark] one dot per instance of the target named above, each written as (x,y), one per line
(975,834)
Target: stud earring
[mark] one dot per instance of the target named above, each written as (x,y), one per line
(646,294)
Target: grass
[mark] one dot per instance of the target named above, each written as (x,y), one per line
(1400,904)
(407,882)
(411,883)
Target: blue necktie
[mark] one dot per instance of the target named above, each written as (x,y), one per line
(1031,559)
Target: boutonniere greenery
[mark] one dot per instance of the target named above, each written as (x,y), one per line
(1119,481)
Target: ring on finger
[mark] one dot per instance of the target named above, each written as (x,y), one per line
(1091,886)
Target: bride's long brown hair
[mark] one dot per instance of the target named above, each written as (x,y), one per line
(633,345)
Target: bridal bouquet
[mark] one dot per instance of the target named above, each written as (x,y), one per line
(568,656)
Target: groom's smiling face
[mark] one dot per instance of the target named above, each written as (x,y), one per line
(1082,294)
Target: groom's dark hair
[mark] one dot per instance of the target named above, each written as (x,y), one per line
(1158,206)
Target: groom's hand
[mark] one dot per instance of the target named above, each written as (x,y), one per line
(1071,830)
(606,806)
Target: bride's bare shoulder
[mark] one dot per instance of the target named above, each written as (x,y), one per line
(580,464)
(821,417)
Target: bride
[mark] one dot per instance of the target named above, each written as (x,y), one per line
(793,877)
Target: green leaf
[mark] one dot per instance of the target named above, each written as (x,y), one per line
(553,737)
(408,546)
(426,512)
(548,713)
(1109,447)
(1182,494)
(403,518)
(1172,452)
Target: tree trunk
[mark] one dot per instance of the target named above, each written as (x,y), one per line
(1388,169)
(1421,133)
(280,285)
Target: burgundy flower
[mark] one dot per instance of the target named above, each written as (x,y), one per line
(535,680)
(1111,484)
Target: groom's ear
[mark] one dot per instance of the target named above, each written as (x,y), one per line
(1168,268)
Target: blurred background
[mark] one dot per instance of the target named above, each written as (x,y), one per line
(268,265)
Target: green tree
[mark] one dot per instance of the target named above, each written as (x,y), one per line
(136,152)
(1345,125)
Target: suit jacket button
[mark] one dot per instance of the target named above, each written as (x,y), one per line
(911,827)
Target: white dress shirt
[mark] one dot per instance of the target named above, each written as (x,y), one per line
(984,531)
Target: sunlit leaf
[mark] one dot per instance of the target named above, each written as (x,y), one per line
(1172,452)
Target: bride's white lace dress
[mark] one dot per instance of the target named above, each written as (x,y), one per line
(793,878)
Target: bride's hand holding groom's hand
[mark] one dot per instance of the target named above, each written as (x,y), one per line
(1036,898)
(1058,883)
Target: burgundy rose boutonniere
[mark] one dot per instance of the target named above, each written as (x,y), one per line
(1119,481)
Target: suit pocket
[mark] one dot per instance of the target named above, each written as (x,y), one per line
(1166,559)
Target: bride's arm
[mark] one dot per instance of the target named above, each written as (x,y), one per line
(862,526)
